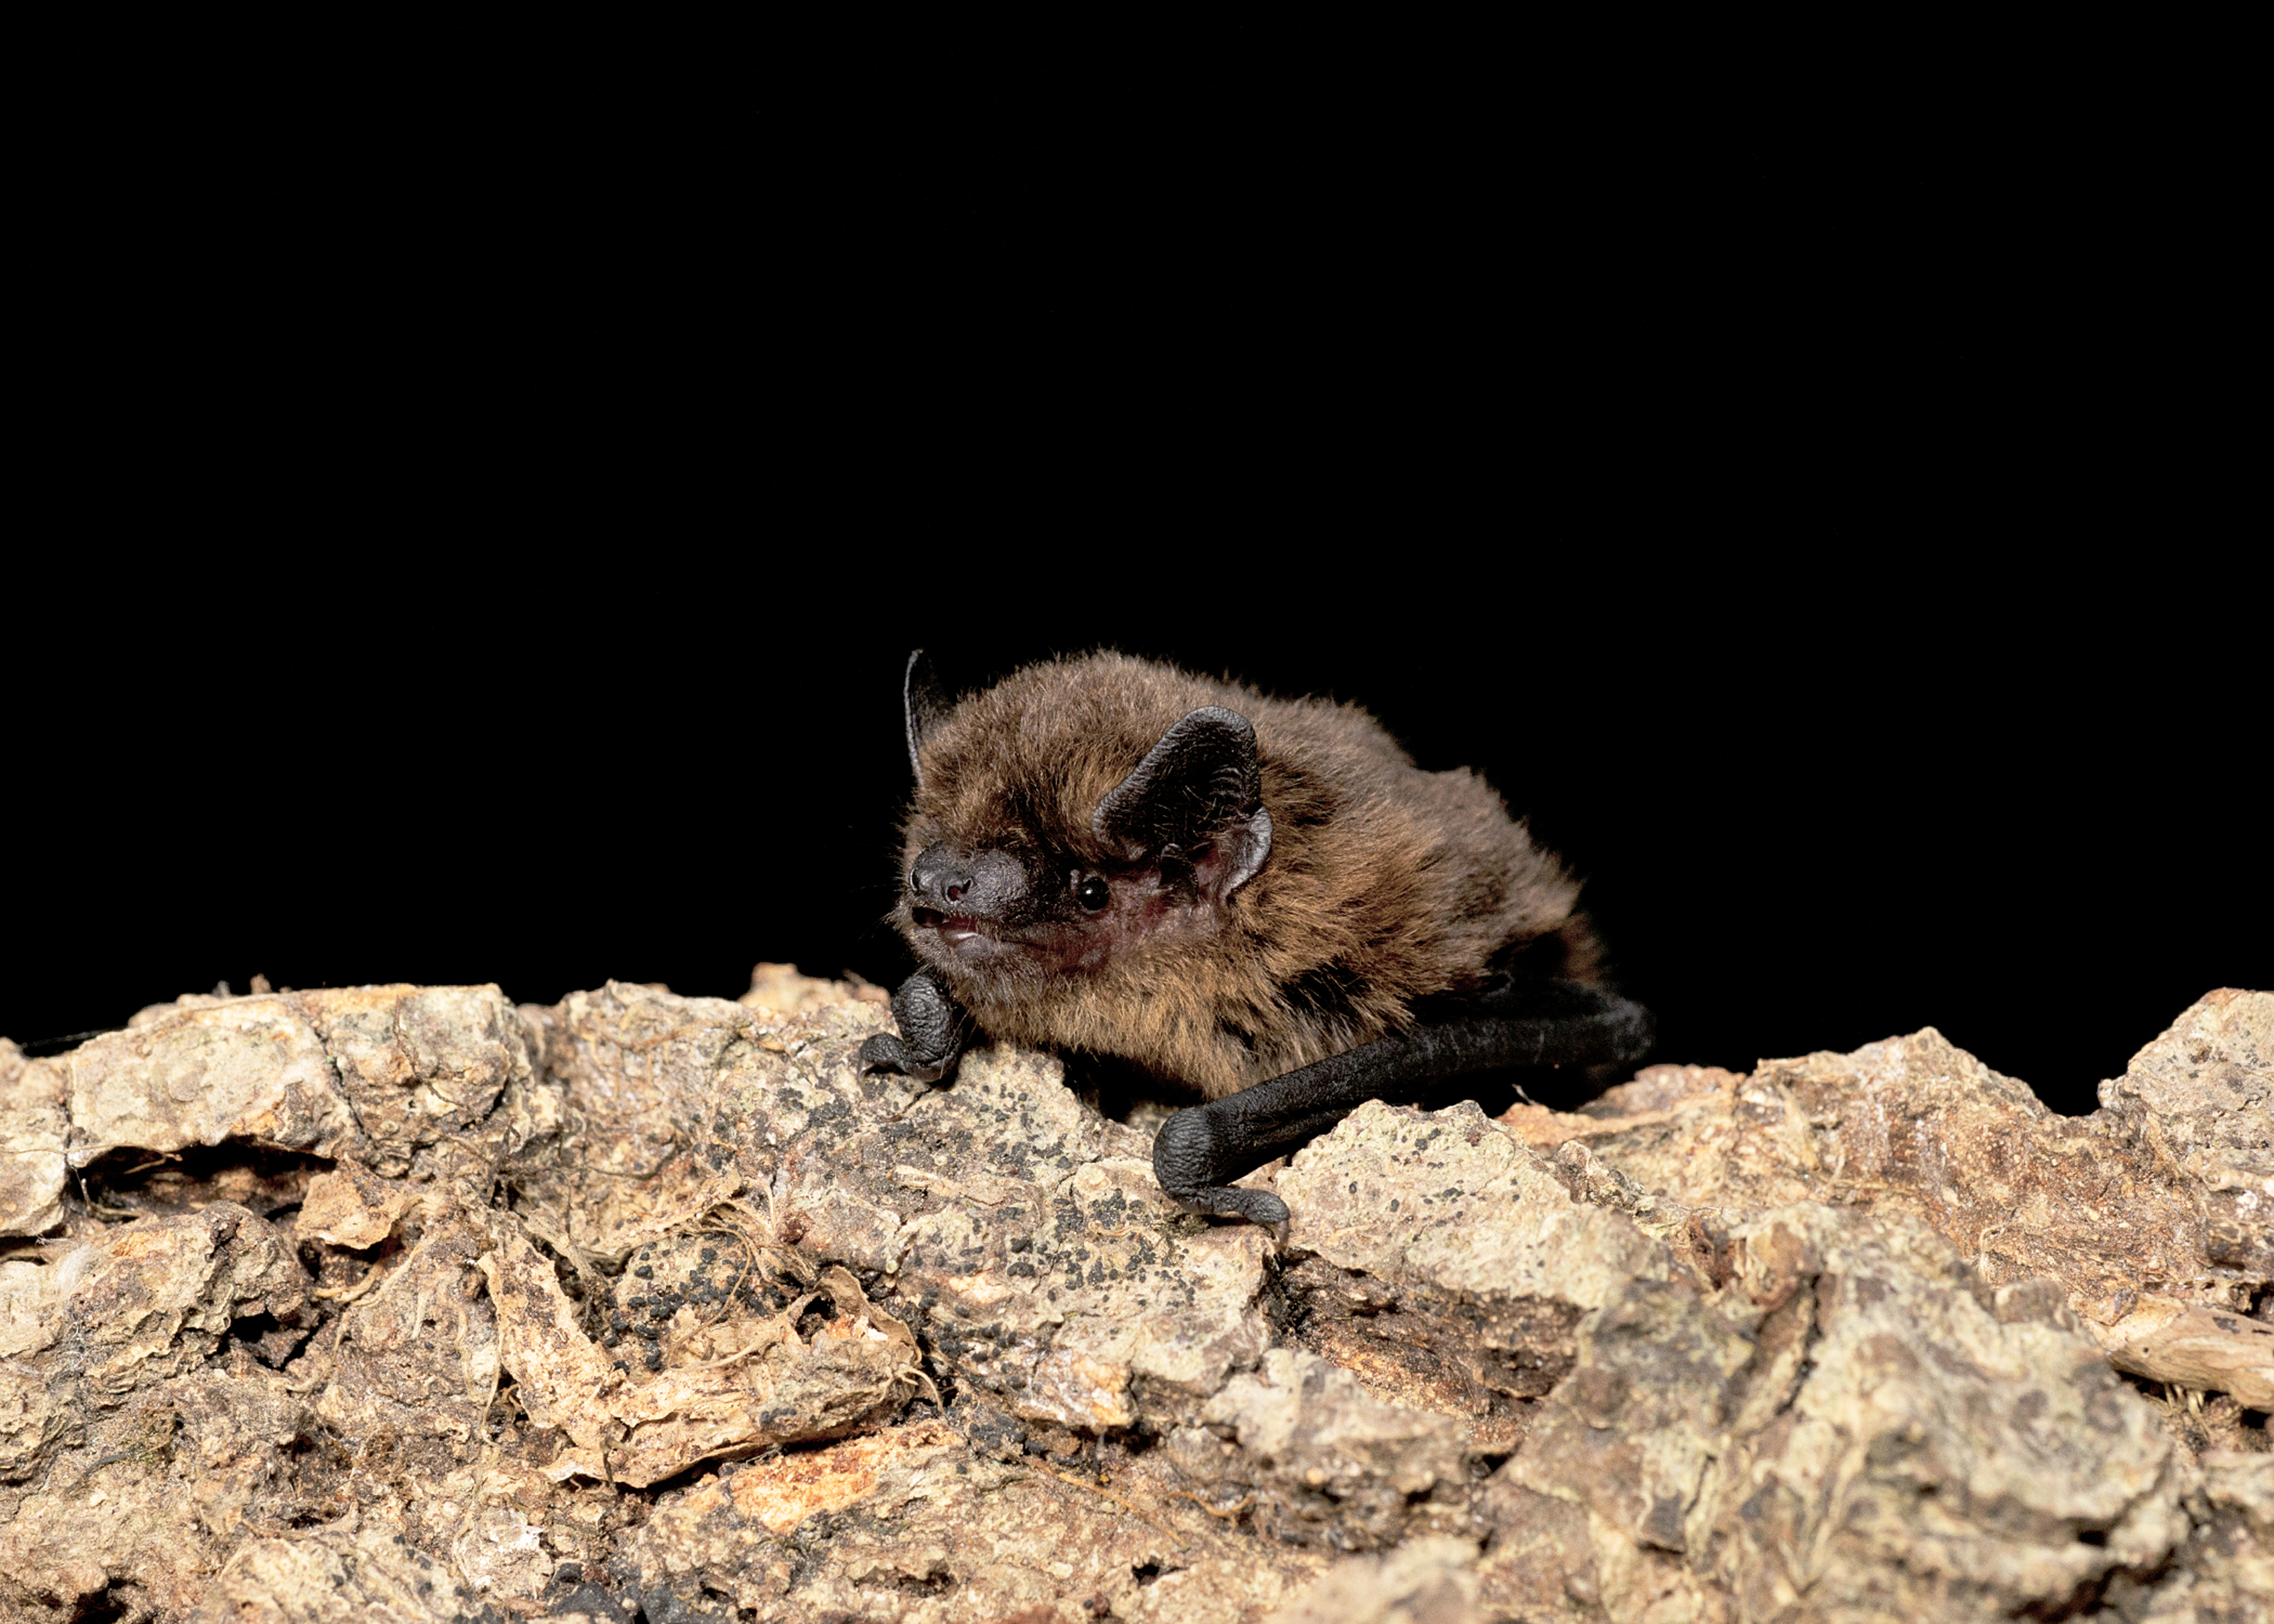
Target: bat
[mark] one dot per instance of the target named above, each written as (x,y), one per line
(1263,900)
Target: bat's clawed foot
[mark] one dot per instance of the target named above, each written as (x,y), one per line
(886,1053)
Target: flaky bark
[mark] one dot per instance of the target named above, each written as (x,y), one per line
(406,1302)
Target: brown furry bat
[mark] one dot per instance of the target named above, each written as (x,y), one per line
(1109,855)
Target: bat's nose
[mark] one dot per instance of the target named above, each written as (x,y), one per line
(940,875)
(985,884)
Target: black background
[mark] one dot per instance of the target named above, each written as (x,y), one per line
(1808,818)
(1835,550)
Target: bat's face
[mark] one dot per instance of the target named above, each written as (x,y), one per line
(1066,839)
(1020,908)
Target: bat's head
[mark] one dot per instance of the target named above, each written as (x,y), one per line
(1075,817)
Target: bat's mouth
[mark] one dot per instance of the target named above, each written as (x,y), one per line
(954,927)
(960,934)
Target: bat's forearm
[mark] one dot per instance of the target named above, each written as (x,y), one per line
(1198,1151)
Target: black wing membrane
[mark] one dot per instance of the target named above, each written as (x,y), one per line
(1514,1022)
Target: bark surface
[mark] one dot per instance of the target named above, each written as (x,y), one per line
(408,1303)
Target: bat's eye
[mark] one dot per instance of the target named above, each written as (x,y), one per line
(1093,893)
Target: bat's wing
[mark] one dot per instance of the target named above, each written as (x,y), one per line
(1514,1023)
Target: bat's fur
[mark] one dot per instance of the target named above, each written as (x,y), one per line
(1384,884)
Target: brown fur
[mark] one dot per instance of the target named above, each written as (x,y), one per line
(1384,884)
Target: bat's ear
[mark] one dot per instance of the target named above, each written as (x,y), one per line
(926,705)
(1200,786)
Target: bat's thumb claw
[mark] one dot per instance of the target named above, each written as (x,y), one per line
(1256,1205)
(886,1053)
(1184,1162)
